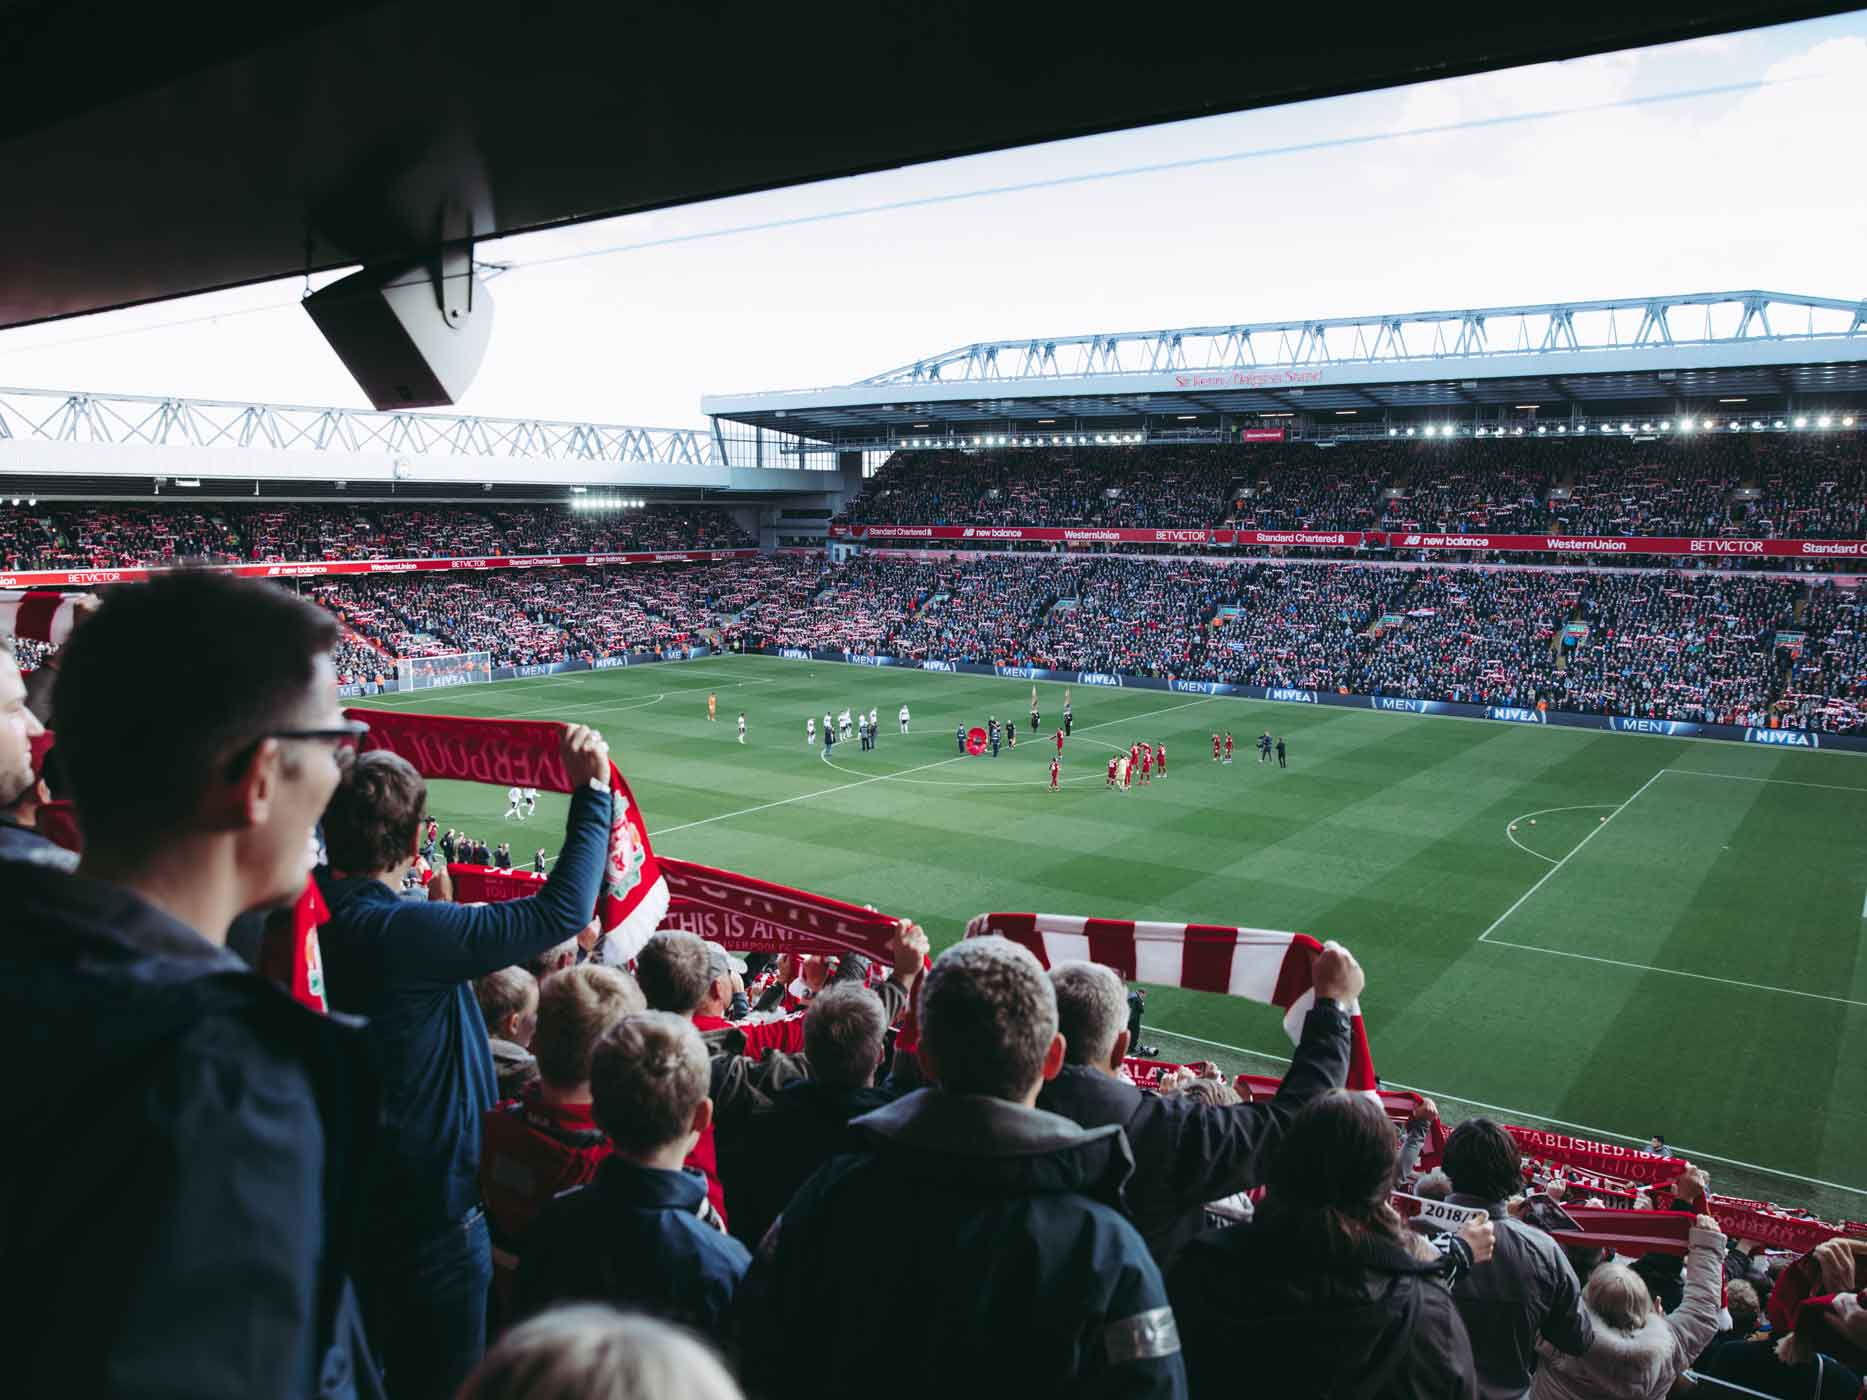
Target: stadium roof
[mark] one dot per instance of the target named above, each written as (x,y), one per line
(1558,360)
(153,151)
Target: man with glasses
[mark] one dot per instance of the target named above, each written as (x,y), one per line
(180,1176)
(409,967)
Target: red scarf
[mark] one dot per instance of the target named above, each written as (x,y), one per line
(742,912)
(1263,965)
(525,753)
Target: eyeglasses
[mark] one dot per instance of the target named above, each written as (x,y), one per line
(342,738)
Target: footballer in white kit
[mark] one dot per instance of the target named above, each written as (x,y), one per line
(904,719)
(514,800)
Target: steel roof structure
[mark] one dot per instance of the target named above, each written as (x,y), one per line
(1637,354)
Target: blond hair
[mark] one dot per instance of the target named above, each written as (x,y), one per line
(592,1352)
(575,1007)
(1619,1297)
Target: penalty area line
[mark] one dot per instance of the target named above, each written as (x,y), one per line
(1516,1113)
(1550,873)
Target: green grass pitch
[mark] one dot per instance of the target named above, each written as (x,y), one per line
(1689,966)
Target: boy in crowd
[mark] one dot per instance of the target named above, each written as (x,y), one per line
(639,1235)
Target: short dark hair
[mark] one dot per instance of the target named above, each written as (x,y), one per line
(575,1007)
(140,748)
(372,818)
(1482,1160)
(843,1033)
(675,970)
(647,1075)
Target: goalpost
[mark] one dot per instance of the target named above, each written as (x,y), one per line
(433,672)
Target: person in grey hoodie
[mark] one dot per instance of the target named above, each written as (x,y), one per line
(1638,1352)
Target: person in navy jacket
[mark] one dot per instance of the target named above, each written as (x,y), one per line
(408,966)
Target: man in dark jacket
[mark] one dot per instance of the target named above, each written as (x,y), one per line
(636,1235)
(1187,1152)
(807,1123)
(181,1181)
(1528,1289)
(409,968)
(992,1223)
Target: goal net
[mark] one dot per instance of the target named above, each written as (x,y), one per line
(433,672)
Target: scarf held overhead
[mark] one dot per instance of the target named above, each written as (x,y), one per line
(1257,964)
(525,753)
(741,912)
(38,614)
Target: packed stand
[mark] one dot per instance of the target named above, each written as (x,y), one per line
(1812,488)
(68,536)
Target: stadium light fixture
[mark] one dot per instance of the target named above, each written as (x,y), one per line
(1393,432)
(1848,422)
(1409,432)
(1666,426)
(1801,422)
(1779,423)
(1541,430)
(1562,428)
(1627,427)
(1432,429)
(1756,425)
(1822,422)
(32,500)
(1517,432)
(1705,423)
(1480,432)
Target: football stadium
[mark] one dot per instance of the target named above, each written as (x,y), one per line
(1345,832)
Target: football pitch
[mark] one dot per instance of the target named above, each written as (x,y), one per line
(1611,934)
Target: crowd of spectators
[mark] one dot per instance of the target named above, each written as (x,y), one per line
(1711,647)
(703,1176)
(66,536)
(1802,487)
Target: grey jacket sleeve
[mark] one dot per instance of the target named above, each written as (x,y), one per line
(1566,1325)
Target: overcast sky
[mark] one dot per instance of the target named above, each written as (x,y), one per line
(1613,176)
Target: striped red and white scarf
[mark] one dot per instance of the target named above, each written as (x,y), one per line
(1257,964)
(38,614)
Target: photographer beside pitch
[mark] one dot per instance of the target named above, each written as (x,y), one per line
(409,968)
(1187,1152)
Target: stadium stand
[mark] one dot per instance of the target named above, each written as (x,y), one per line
(1810,488)
(63,536)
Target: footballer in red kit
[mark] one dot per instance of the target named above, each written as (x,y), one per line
(1113,760)
(1055,769)
(1228,746)
(1059,741)
(1215,748)
(1160,759)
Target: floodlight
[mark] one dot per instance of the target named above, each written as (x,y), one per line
(1822,422)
